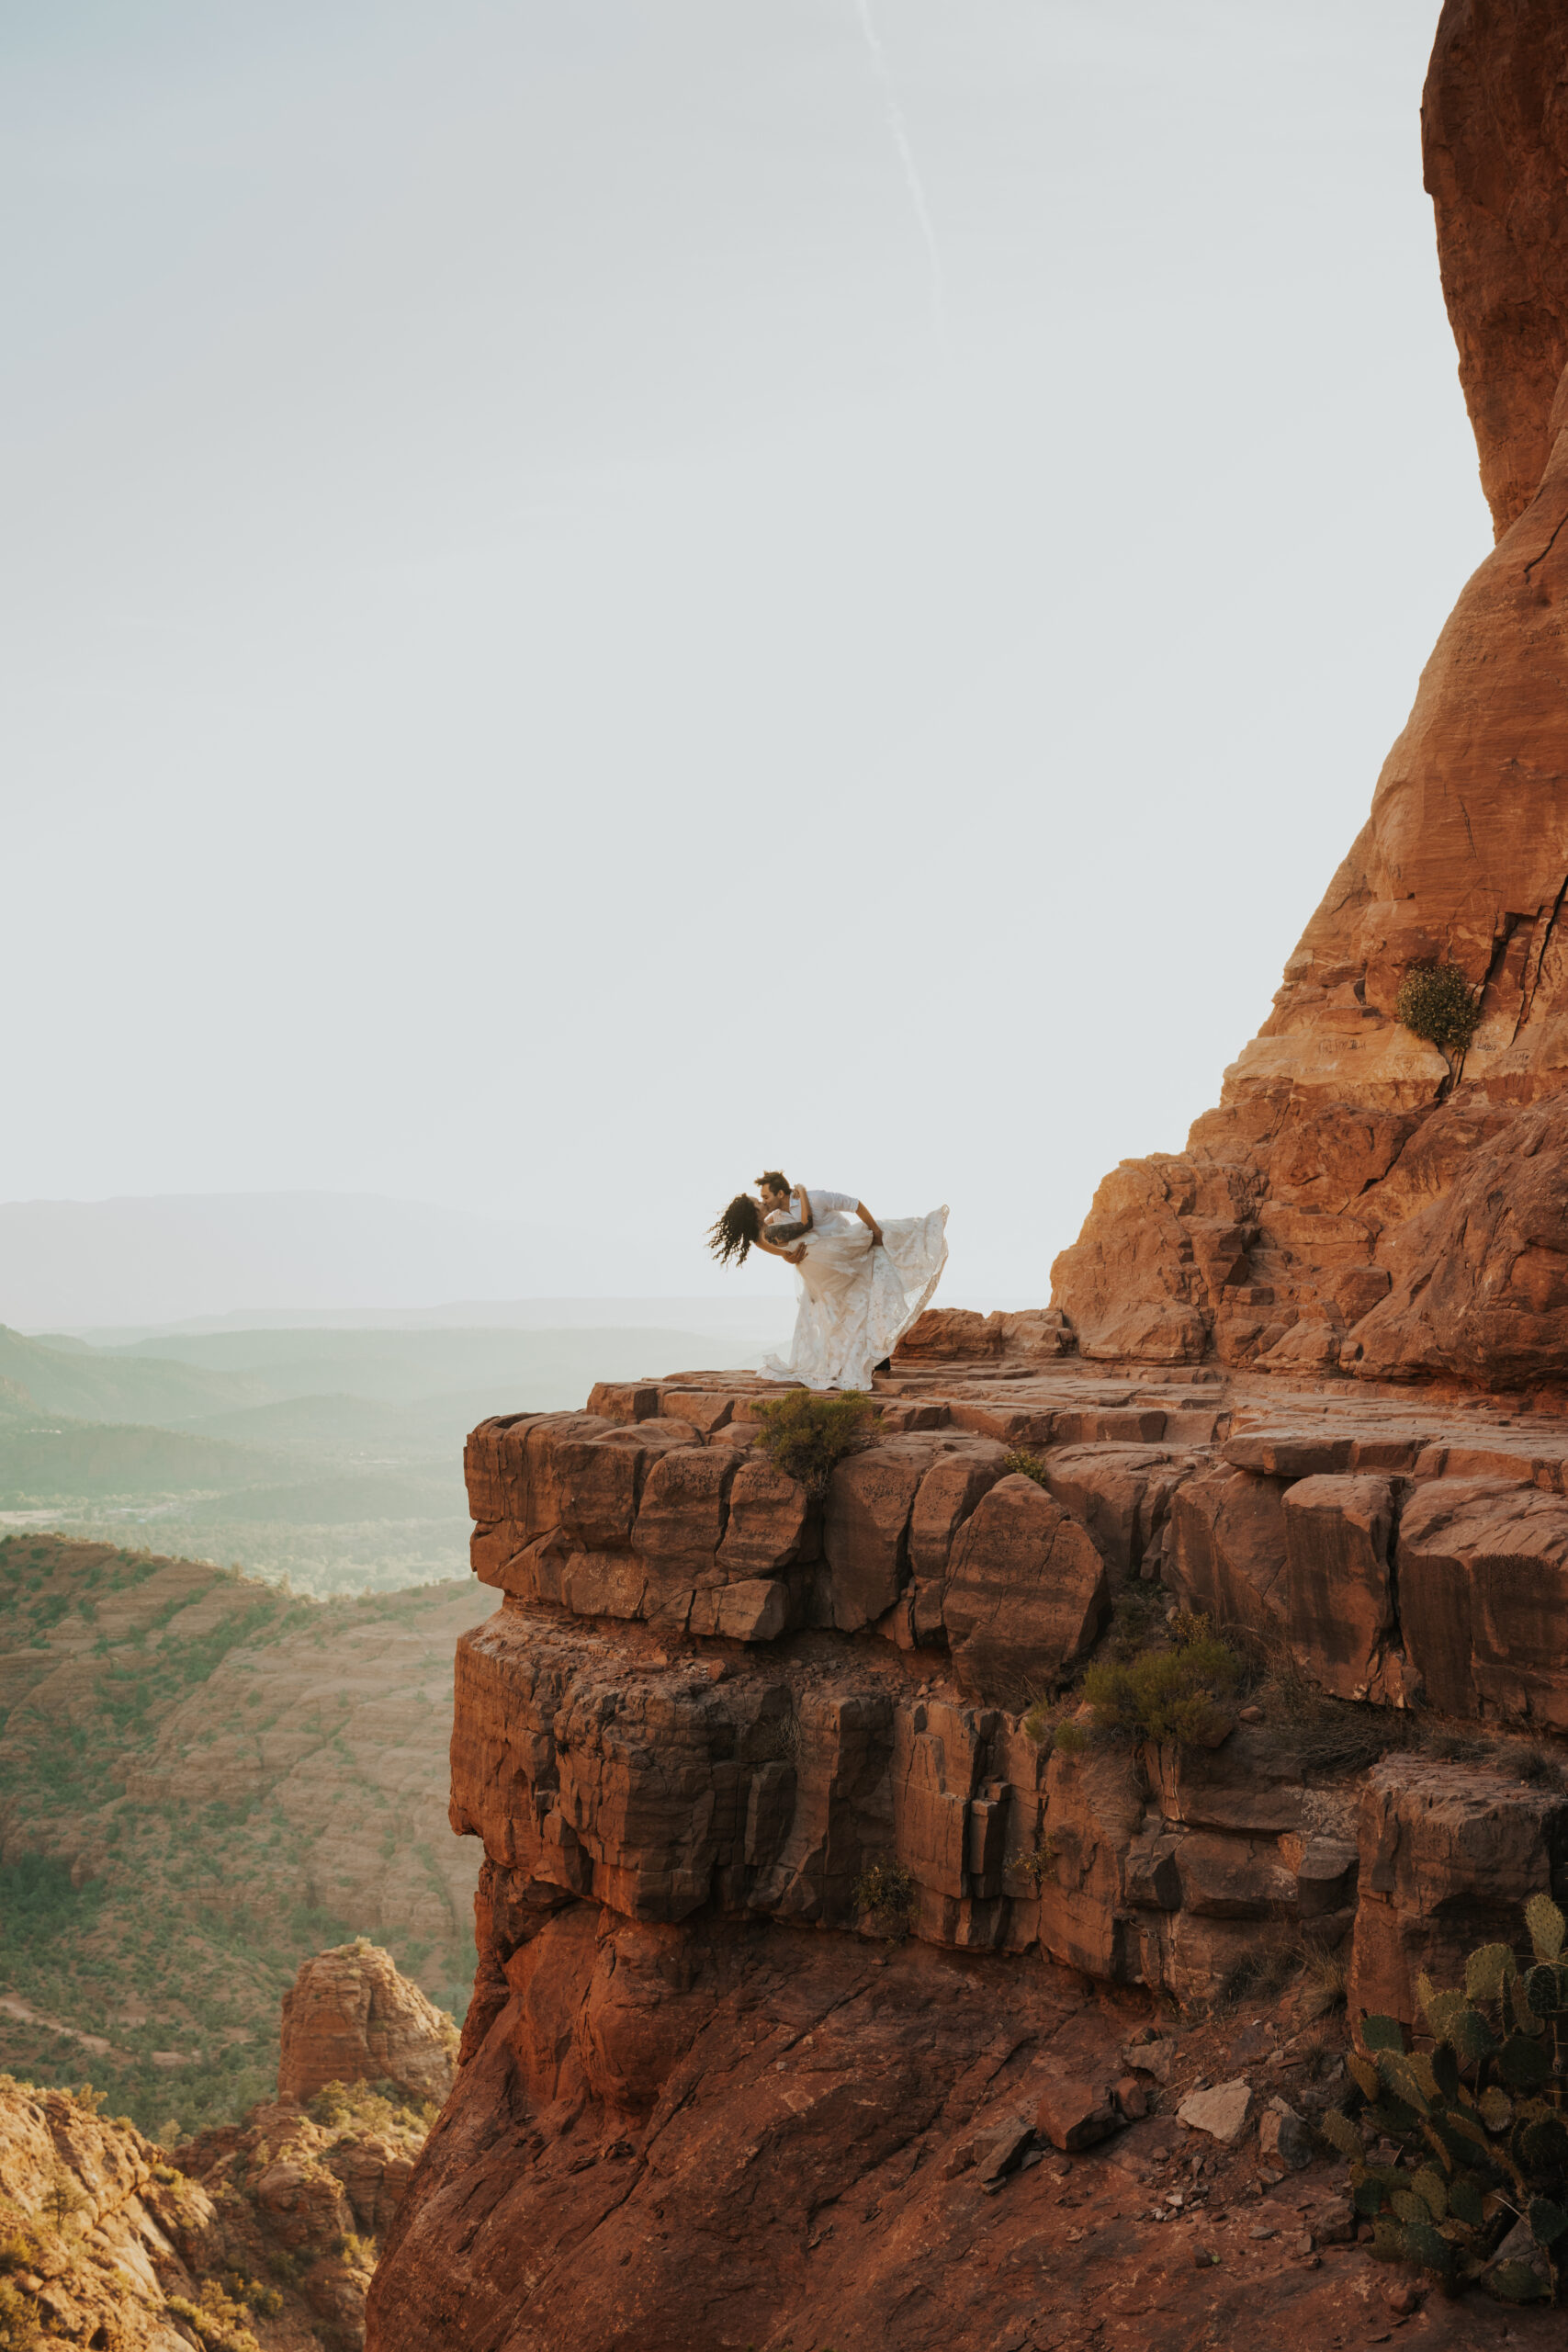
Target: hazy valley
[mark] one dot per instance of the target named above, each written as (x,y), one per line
(204,1780)
(329,1456)
(233,1565)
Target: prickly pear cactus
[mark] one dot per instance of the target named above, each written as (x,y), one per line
(1479,2120)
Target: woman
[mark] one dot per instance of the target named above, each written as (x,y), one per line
(862,1283)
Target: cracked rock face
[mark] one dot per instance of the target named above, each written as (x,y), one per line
(798,1953)
(1349,1203)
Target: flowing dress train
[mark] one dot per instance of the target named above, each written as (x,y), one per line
(857,1301)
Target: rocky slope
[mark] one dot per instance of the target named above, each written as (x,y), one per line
(1348,1205)
(205,1777)
(256,2237)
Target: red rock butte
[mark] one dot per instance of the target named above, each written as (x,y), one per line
(1347,1205)
(829,1993)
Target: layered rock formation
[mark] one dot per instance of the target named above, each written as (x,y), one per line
(1349,1170)
(350,2016)
(258,2237)
(694,2058)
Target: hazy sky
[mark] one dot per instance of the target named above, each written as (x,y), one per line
(600,592)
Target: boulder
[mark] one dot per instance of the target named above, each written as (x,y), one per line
(957,1335)
(1153,2058)
(947,1495)
(1227,1555)
(949,1335)
(1132,1285)
(866,1525)
(1000,2148)
(684,1510)
(1289,1451)
(753,1609)
(767,1521)
(1482,1567)
(1252,1785)
(1073,2113)
(1026,1595)
(351,2017)
(1234,1878)
(1340,1610)
(1119,1492)
(1221,2112)
(1325,1877)
(1449,1855)
(1283,2138)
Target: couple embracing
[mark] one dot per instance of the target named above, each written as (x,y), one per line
(862,1283)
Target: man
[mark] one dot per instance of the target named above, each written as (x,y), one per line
(806,1203)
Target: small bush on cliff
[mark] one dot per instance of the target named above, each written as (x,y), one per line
(1183,1694)
(1479,2122)
(370,2107)
(1038,1864)
(807,1436)
(218,2322)
(888,1891)
(1435,1002)
(19,2320)
(1330,1734)
(1025,1464)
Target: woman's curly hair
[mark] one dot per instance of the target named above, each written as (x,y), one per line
(732,1234)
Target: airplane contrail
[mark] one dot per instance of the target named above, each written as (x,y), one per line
(883,73)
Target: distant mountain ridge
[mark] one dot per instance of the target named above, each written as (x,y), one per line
(65,1377)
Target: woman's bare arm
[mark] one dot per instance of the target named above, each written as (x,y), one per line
(793,1256)
(866,1217)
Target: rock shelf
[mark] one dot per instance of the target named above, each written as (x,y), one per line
(707,1709)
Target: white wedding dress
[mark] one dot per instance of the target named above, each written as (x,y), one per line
(856,1301)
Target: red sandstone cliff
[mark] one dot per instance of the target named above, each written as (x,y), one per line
(817,1986)
(1495,141)
(1308,1213)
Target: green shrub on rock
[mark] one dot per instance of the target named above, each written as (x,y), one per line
(1185,1694)
(806,1436)
(1435,1002)
(889,1891)
(1480,2121)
